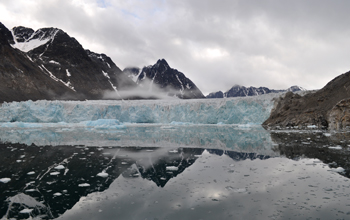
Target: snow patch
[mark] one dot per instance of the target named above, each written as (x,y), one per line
(105,74)
(68,73)
(68,84)
(29,45)
(54,62)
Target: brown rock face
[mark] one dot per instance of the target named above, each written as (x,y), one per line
(294,110)
(339,116)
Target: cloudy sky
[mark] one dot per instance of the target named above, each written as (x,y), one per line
(217,44)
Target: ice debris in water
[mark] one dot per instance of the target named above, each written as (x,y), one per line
(172,168)
(105,113)
(31,173)
(59,167)
(103,174)
(57,194)
(5,180)
(338,147)
(338,170)
(84,185)
(54,173)
(26,211)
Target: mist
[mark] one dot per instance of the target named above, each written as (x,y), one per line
(146,90)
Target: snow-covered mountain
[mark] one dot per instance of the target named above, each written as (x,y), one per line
(61,57)
(242,91)
(160,77)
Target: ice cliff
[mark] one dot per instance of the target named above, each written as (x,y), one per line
(250,110)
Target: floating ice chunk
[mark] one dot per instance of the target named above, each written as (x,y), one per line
(57,194)
(31,173)
(54,173)
(60,167)
(172,168)
(30,190)
(338,147)
(84,185)
(103,174)
(26,211)
(338,170)
(5,180)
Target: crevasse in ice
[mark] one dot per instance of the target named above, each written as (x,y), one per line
(251,110)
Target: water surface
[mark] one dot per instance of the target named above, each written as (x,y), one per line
(173,172)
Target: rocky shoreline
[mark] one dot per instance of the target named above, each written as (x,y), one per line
(327,108)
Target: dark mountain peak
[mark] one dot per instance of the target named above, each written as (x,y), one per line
(22,34)
(295,89)
(46,33)
(162,62)
(169,80)
(218,94)
(5,35)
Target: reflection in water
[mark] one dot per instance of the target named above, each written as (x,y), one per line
(249,139)
(294,177)
(57,177)
(332,149)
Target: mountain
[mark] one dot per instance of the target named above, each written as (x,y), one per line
(326,108)
(49,64)
(160,77)
(87,74)
(242,91)
(21,78)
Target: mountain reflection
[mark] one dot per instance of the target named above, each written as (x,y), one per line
(53,179)
(331,149)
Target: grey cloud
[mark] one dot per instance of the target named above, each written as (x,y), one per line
(215,43)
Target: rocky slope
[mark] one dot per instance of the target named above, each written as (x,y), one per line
(326,108)
(242,91)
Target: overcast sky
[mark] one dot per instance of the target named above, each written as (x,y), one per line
(216,44)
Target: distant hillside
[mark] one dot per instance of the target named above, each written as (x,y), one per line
(242,91)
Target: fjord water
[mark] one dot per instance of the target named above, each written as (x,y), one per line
(103,169)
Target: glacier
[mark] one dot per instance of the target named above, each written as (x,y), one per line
(200,111)
(231,123)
